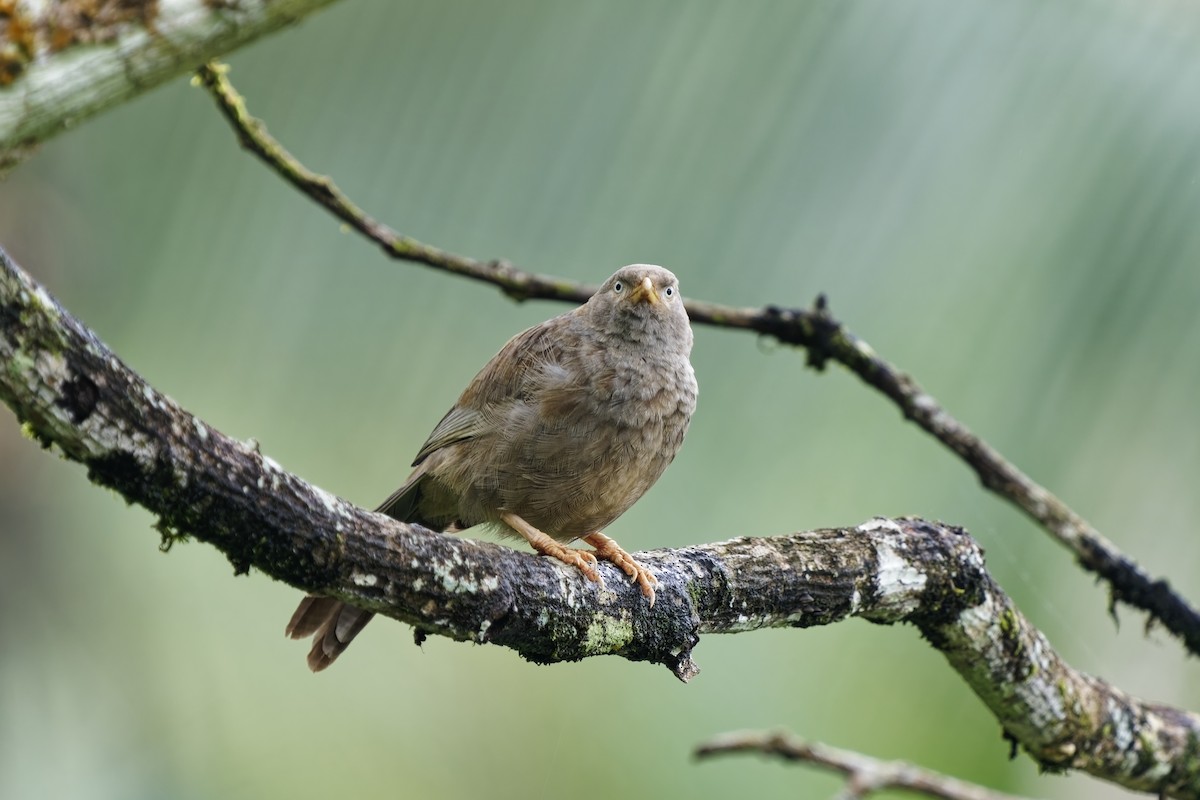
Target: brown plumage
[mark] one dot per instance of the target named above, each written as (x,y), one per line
(557,436)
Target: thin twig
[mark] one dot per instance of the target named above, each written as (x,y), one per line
(253,136)
(864,775)
(816,330)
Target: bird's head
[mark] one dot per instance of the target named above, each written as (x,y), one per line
(641,303)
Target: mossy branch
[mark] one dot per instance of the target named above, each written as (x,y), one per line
(73,393)
(63,61)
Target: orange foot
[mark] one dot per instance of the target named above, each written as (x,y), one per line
(609,550)
(584,561)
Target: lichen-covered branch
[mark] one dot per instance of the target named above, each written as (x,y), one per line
(63,61)
(864,775)
(72,393)
(816,330)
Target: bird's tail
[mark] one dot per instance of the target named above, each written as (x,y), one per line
(332,624)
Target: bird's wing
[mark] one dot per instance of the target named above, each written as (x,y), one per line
(513,375)
(518,370)
(458,425)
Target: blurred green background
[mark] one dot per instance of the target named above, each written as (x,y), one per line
(1000,197)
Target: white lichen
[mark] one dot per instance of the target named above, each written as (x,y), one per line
(744,622)
(864,348)
(760,552)
(925,402)
(879,524)
(457,580)
(977,621)
(45,302)
(900,583)
(158,400)
(333,504)
(1122,726)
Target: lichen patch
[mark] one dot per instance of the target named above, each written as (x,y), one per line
(606,634)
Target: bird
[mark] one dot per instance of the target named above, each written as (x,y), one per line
(564,429)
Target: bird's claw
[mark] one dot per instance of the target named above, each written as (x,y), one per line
(582,560)
(612,552)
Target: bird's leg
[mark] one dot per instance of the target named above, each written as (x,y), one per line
(609,550)
(583,560)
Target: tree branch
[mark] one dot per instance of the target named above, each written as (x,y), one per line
(865,775)
(70,391)
(823,336)
(61,62)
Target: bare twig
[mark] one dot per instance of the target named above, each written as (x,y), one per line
(72,392)
(864,775)
(816,330)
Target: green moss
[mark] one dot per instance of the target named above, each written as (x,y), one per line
(1147,753)
(605,634)
(30,431)
(1008,622)
(169,535)
(1191,756)
(1010,629)
(20,363)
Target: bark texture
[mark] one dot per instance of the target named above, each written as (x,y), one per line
(72,393)
(63,61)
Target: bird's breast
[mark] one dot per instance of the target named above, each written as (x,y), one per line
(590,448)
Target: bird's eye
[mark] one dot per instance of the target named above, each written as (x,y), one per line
(669,291)
(618,287)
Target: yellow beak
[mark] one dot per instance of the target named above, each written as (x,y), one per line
(644,291)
